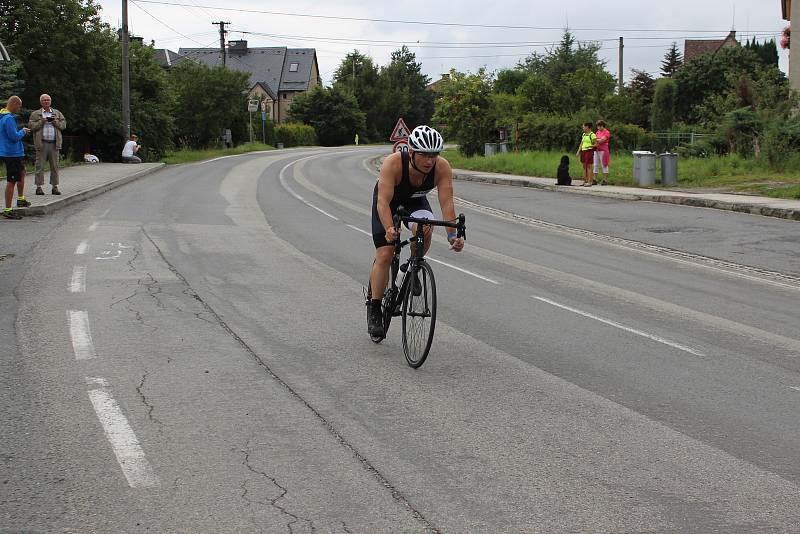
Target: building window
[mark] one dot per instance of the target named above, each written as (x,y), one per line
(293,67)
(284,96)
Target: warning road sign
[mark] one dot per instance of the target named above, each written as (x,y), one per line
(400,131)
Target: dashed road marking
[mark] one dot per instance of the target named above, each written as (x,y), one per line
(118,431)
(78,282)
(80,334)
(622,327)
(83,246)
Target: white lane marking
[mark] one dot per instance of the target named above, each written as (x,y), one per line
(80,334)
(462,270)
(105,213)
(78,282)
(119,433)
(233,156)
(357,229)
(436,261)
(96,381)
(622,327)
(94,226)
(282,178)
(794,388)
(83,246)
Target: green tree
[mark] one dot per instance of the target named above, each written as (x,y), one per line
(465,107)
(358,74)
(664,105)
(711,76)
(509,80)
(152,102)
(332,112)
(403,93)
(67,51)
(566,79)
(673,60)
(208,100)
(767,51)
(11,81)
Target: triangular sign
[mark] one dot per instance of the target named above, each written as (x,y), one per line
(400,131)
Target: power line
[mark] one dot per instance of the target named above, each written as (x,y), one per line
(427,23)
(459,45)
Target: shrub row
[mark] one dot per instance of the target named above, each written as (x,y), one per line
(539,132)
(295,134)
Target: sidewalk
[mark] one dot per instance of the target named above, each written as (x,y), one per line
(80,182)
(756,205)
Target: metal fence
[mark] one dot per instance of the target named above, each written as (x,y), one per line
(668,141)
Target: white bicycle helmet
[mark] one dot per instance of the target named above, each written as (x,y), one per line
(426,140)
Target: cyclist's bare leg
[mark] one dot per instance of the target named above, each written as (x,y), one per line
(379,276)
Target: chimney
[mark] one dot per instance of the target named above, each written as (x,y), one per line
(238,48)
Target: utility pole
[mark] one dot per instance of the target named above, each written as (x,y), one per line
(126,75)
(621,48)
(222,33)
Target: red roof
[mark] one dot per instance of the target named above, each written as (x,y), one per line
(695,47)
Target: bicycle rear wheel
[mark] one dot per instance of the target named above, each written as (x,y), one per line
(419,314)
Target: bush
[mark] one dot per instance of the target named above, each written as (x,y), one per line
(780,142)
(540,132)
(295,134)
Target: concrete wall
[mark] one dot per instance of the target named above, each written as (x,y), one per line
(794,56)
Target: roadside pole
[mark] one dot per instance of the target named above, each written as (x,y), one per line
(252,105)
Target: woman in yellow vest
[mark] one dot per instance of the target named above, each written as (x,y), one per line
(586,154)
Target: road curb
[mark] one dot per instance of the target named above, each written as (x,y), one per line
(86,194)
(753,209)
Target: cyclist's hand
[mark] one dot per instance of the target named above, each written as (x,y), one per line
(392,234)
(456,244)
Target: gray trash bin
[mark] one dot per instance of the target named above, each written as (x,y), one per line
(279,145)
(489,149)
(502,147)
(669,169)
(644,167)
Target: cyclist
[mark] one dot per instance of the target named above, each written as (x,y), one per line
(405,180)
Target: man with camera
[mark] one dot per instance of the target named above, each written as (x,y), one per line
(46,124)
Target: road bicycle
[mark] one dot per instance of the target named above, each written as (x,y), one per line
(415,298)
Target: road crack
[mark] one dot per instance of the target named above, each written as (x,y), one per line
(150,407)
(272,502)
(331,429)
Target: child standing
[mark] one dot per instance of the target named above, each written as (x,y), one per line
(586,153)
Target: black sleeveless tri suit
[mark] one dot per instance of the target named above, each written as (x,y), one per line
(406,195)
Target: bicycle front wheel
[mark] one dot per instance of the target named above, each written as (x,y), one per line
(419,314)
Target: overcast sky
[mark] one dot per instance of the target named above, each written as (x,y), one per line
(458,40)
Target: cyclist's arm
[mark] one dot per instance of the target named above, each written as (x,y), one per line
(444,185)
(386,183)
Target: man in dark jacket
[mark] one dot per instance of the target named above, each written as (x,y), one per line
(12,152)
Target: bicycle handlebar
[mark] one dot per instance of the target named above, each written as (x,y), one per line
(401,217)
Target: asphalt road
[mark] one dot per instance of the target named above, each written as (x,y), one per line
(191,356)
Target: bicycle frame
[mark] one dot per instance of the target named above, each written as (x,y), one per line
(418,256)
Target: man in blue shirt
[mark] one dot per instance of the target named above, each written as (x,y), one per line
(12,152)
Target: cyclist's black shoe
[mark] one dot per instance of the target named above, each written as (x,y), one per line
(374,320)
(416,285)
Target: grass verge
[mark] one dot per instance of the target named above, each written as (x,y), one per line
(730,173)
(190,156)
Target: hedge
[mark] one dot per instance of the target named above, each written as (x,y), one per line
(295,134)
